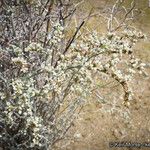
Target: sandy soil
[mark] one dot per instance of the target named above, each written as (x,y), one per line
(100,124)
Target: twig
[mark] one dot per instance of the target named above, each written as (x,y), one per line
(71,41)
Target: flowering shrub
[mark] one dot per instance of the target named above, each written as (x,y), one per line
(44,86)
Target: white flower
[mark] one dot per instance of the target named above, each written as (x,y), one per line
(19,60)
(77,135)
(34,47)
(22,62)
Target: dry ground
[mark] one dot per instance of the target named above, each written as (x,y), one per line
(100,123)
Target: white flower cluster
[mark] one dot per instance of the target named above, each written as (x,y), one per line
(18,51)
(53,77)
(21,62)
(23,93)
(56,34)
(108,53)
(134,34)
(34,47)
